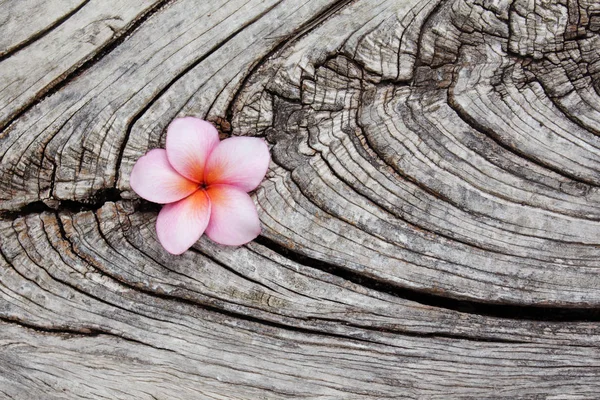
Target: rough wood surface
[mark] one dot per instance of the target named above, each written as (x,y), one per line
(431,216)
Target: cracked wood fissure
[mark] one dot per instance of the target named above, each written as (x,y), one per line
(431,215)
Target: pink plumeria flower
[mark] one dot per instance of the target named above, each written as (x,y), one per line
(204,184)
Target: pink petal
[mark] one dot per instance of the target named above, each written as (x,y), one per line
(179,225)
(238,161)
(233,217)
(154,179)
(189,142)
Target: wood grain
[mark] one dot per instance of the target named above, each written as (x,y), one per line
(431,215)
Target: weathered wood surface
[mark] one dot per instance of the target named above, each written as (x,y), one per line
(431,217)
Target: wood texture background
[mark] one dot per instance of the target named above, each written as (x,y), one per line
(431,215)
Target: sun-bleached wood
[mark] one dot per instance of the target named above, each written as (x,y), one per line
(431,215)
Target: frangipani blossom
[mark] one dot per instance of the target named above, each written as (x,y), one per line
(203,184)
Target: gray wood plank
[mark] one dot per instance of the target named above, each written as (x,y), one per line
(430,218)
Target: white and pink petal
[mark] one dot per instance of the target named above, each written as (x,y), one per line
(179,225)
(239,161)
(189,142)
(233,217)
(154,179)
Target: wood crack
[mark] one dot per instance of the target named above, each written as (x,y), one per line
(9,52)
(67,332)
(62,81)
(505,311)
(92,203)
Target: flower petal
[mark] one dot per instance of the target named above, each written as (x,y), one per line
(179,225)
(189,142)
(238,161)
(154,179)
(233,217)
